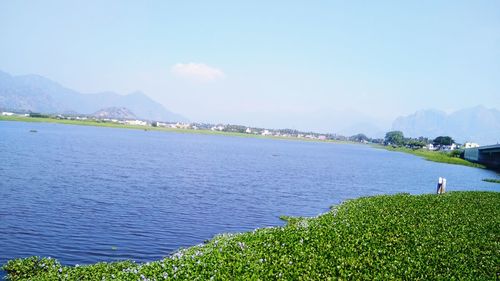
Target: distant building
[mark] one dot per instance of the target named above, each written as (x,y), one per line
(7,113)
(159,124)
(136,122)
(266,133)
(470,145)
(430,146)
(182,125)
(248,131)
(449,147)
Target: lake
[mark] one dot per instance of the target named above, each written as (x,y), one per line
(86,194)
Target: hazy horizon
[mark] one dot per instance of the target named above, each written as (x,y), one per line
(323,67)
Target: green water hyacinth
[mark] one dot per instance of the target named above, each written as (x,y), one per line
(454,236)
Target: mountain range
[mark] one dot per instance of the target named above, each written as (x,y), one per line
(39,94)
(477,124)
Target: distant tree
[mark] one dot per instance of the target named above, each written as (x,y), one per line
(38,115)
(359,138)
(424,140)
(394,138)
(415,143)
(456,153)
(443,140)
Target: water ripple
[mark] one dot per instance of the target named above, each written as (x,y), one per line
(86,194)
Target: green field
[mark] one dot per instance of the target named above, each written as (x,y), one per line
(455,236)
(435,156)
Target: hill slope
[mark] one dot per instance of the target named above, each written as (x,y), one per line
(478,124)
(39,94)
(115,112)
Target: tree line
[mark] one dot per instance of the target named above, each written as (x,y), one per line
(397,138)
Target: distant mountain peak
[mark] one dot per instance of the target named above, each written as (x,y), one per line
(477,123)
(39,94)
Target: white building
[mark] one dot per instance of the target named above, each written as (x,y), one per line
(136,122)
(159,124)
(449,147)
(182,125)
(248,131)
(7,113)
(430,146)
(470,145)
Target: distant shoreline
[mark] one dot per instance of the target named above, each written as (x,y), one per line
(434,156)
(161,129)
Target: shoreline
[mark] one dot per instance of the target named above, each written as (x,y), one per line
(434,156)
(361,238)
(161,129)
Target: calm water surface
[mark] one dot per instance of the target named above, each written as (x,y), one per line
(87,194)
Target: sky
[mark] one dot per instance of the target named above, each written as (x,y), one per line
(310,65)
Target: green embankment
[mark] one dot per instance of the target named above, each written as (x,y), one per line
(492,180)
(435,156)
(113,125)
(454,236)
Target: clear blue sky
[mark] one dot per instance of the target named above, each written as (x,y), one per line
(321,65)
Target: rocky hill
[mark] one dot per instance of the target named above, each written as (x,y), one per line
(478,124)
(115,113)
(39,94)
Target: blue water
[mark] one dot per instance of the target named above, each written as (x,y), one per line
(87,194)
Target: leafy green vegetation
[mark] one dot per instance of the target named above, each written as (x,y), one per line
(397,139)
(492,180)
(443,140)
(435,156)
(454,236)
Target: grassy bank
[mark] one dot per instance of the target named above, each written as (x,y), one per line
(492,180)
(150,128)
(435,156)
(114,125)
(454,236)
